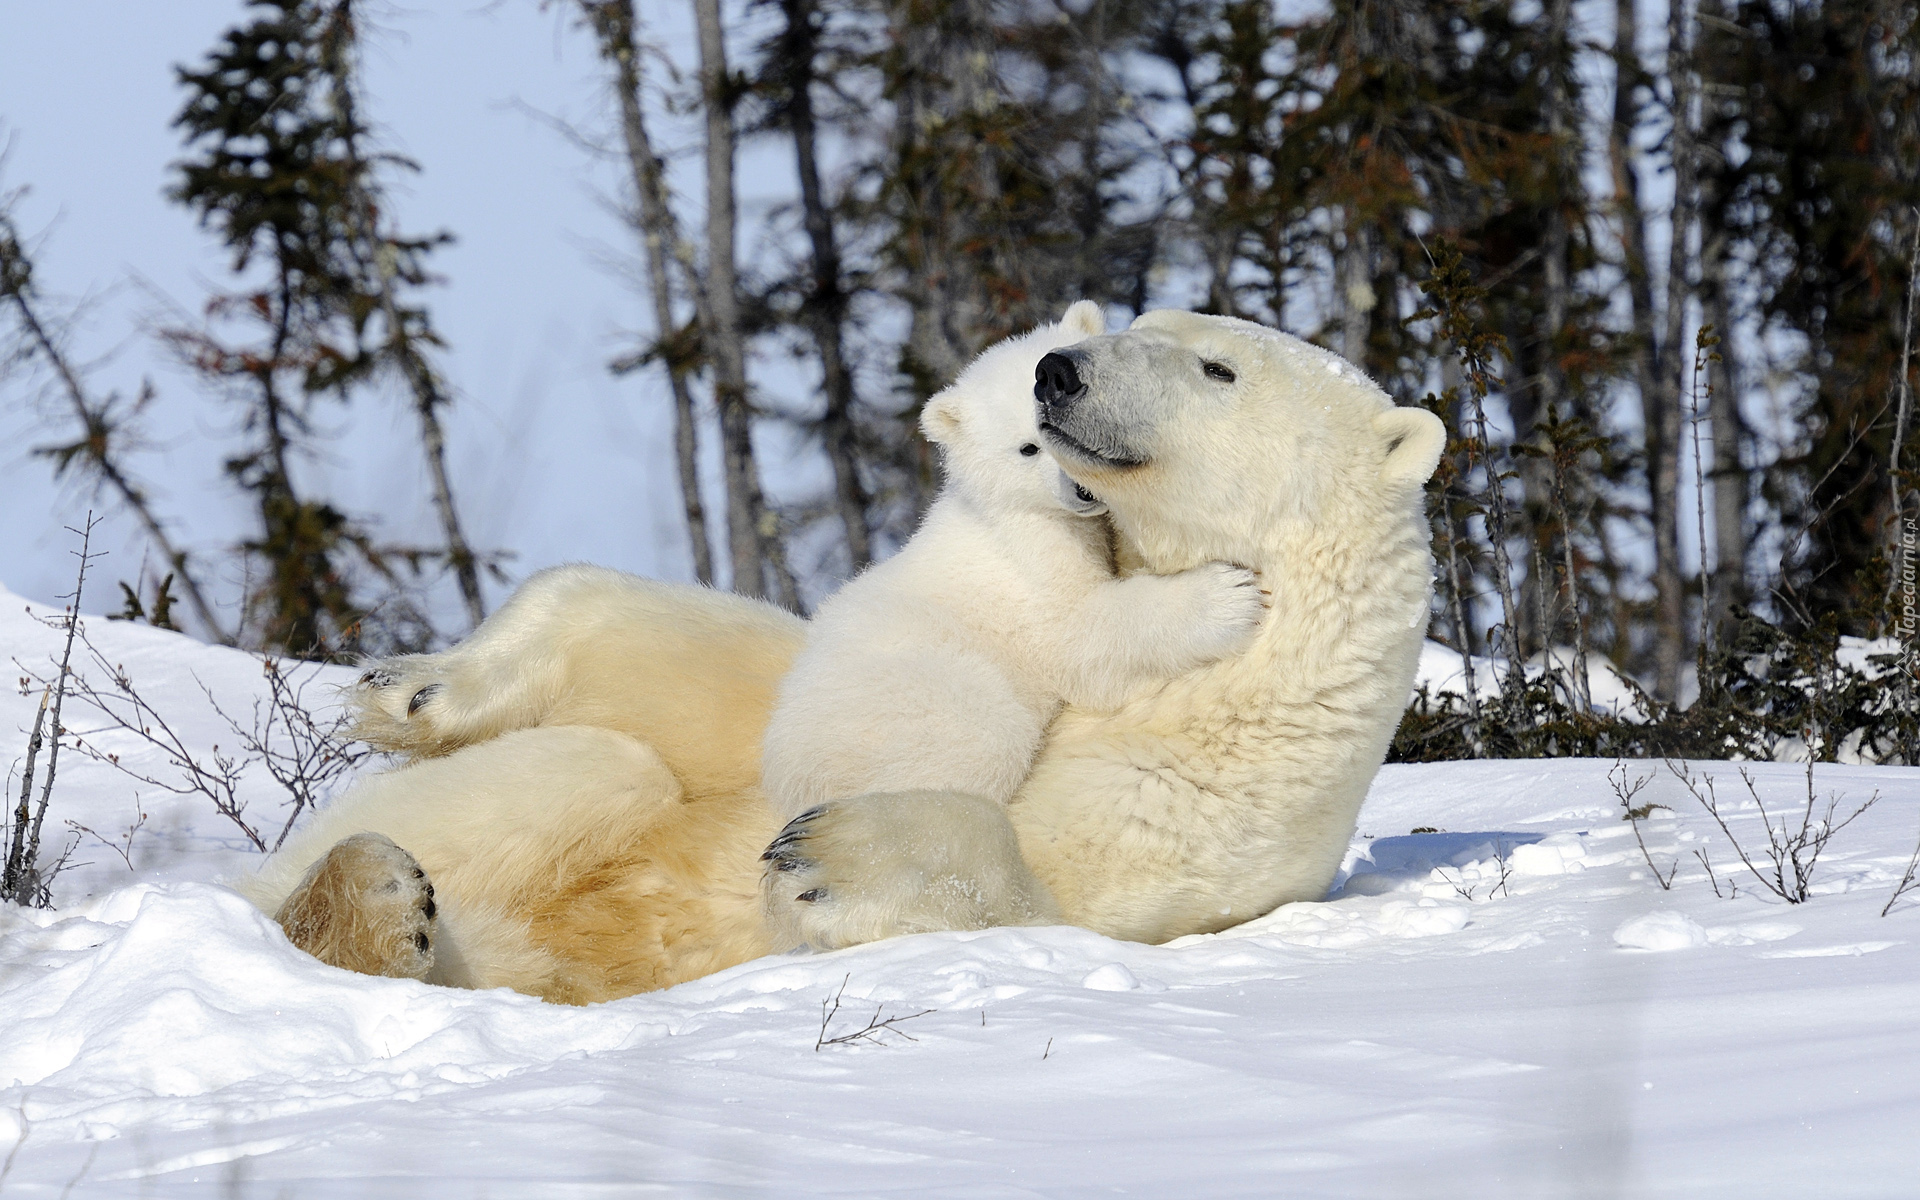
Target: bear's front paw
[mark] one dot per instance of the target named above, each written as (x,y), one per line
(869,867)
(1232,603)
(367,907)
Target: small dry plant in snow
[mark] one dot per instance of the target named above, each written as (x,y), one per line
(1794,843)
(304,753)
(1625,790)
(872,1032)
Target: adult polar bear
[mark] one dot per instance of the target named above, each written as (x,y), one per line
(584,794)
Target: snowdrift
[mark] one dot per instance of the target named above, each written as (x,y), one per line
(1497,999)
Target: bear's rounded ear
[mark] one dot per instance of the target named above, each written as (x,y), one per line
(940,419)
(1414,439)
(1085,318)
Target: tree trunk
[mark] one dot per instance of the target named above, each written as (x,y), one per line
(612,22)
(825,308)
(1356,291)
(1656,404)
(1677,354)
(749,528)
(1729,475)
(428,396)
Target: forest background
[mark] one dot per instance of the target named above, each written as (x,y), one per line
(1659,285)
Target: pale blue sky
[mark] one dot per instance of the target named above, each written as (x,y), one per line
(552,457)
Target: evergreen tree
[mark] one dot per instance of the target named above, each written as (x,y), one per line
(281,171)
(1816,116)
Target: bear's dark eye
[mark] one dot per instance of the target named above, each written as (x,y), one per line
(1220,371)
(1029,450)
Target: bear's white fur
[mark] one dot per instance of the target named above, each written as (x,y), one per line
(584,793)
(1234,788)
(941,667)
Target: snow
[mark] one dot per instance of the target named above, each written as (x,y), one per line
(1509,1005)
(1442,673)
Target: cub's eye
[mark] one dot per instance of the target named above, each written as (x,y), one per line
(1220,371)
(1029,450)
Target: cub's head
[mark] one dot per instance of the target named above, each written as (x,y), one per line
(984,423)
(1204,435)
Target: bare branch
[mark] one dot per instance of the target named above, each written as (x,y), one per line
(1625,792)
(871,1032)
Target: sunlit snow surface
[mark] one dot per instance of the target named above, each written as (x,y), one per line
(1578,1032)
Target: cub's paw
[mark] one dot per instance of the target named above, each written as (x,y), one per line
(368,907)
(870,867)
(1230,604)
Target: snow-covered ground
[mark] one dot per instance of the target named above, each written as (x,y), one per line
(1577,1032)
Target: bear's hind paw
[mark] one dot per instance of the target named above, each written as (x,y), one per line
(368,907)
(403,705)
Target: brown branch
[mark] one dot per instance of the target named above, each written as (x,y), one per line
(612,22)
(16,286)
(24,881)
(871,1032)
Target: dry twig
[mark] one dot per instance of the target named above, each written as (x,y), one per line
(1626,791)
(306,755)
(1791,852)
(1906,880)
(24,881)
(870,1032)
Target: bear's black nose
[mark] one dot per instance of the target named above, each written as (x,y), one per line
(1055,381)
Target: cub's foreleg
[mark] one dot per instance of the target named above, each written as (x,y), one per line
(1149,628)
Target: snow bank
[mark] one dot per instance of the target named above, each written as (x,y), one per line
(1476,1009)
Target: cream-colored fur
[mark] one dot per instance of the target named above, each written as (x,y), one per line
(961,856)
(690,671)
(583,793)
(567,863)
(941,667)
(1234,788)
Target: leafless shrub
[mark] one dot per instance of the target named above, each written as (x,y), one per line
(872,1031)
(122,845)
(303,753)
(1791,851)
(1625,791)
(1906,880)
(1466,891)
(24,880)
(1714,880)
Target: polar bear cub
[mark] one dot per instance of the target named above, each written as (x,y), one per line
(942,667)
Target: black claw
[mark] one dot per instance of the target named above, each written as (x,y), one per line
(792,837)
(421,697)
(379,678)
(420,940)
(811,894)
(818,810)
(423,875)
(787,862)
(430,908)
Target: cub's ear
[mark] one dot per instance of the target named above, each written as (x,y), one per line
(940,419)
(1414,440)
(1085,318)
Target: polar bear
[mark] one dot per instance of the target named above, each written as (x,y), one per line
(1234,788)
(583,798)
(941,667)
